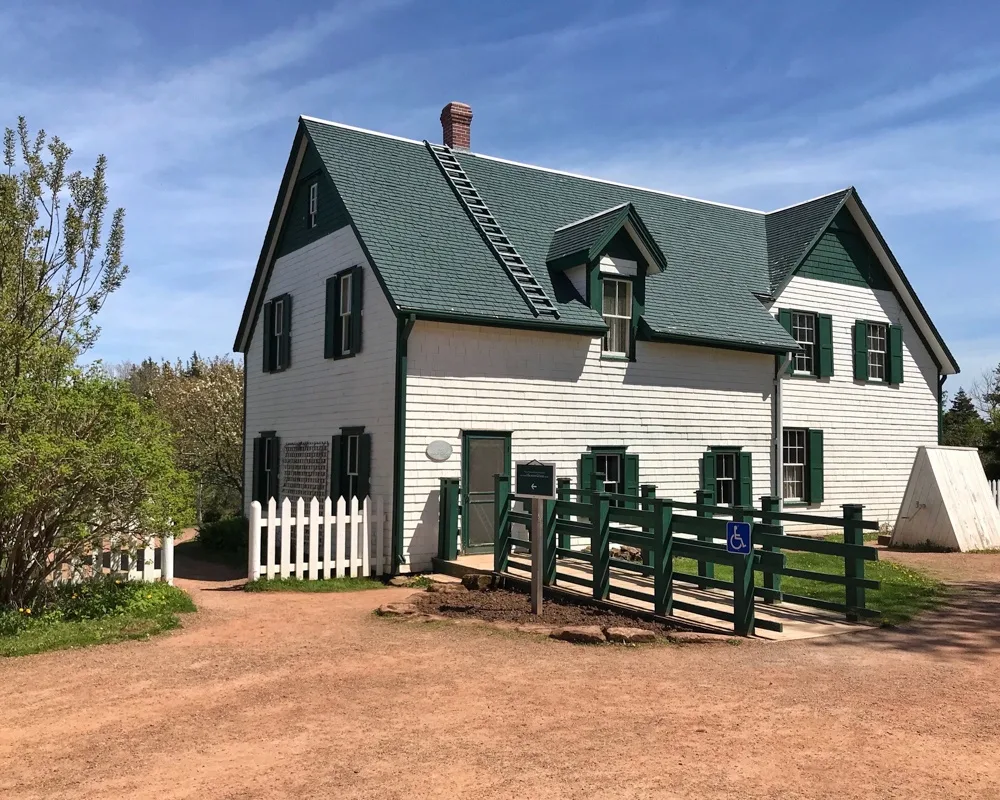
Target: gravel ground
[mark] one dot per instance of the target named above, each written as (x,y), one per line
(311,696)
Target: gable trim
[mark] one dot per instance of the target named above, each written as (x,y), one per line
(289,183)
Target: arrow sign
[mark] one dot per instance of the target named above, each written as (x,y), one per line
(535,479)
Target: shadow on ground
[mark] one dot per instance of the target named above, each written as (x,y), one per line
(966,625)
(192,562)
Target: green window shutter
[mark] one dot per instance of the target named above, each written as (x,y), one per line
(860,350)
(895,355)
(745,494)
(330,322)
(595,291)
(588,466)
(357,297)
(631,477)
(364,465)
(273,485)
(824,340)
(707,471)
(285,340)
(258,491)
(268,334)
(814,466)
(336,468)
(785,319)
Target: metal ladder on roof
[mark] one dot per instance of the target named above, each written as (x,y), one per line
(502,247)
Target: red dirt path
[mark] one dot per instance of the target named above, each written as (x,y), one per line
(310,696)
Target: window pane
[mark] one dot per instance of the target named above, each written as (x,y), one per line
(876,351)
(617,315)
(794,469)
(804,332)
(279,316)
(345,295)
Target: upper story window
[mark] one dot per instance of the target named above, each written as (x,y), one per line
(313,203)
(343,314)
(617,312)
(876,351)
(277,330)
(804,332)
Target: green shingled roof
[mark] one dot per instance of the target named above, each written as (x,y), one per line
(432,260)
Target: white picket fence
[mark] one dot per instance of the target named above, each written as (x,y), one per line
(995,491)
(318,543)
(128,564)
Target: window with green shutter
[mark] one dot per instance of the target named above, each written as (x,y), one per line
(802,465)
(342,336)
(814,335)
(350,464)
(276,321)
(727,474)
(266,464)
(620,471)
(878,352)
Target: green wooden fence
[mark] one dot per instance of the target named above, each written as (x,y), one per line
(663,532)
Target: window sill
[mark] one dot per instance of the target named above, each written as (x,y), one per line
(804,375)
(613,357)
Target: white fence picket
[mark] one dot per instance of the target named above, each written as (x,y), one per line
(272,520)
(348,542)
(327,535)
(314,521)
(340,553)
(286,537)
(167,560)
(300,531)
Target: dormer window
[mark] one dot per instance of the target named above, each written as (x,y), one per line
(313,204)
(617,313)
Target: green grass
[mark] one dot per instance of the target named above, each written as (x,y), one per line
(904,592)
(331,585)
(92,613)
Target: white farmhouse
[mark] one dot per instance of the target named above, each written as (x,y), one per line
(410,293)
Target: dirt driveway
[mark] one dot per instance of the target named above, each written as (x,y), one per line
(283,696)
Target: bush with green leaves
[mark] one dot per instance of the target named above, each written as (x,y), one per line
(226,535)
(83,461)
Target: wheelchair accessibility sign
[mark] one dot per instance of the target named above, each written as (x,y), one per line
(738,537)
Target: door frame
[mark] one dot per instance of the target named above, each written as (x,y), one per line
(468,436)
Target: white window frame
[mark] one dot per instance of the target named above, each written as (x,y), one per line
(795,458)
(345,312)
(804,332)
(616,321)
(877,358)
(279,317)
(313,203)
(352,469)
(720,459)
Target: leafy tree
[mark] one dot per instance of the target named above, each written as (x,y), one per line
(962,425)
(202,400)
(82,459)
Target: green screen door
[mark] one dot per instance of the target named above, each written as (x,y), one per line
(483,456)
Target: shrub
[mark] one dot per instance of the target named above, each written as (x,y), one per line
(227,535)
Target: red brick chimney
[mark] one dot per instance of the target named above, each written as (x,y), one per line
(456,125)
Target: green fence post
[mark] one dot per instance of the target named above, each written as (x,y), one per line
(647,490)
(600,542)
(448,519)
(854,567)
(706,569)
(501,510)
(743,601)
(562,493)
(770,506)
(549,543)
(663,559)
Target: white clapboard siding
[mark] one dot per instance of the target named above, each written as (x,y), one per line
(342,539)
(557,397)
(123,563)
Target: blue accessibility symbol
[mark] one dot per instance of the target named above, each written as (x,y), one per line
(738,537)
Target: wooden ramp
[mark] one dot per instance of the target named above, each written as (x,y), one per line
(797,622)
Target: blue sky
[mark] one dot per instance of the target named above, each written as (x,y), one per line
(756,104)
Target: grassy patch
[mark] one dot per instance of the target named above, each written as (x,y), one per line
(296,585)
(904,592)
(94,612)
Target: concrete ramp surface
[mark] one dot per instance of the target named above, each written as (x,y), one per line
(948,503)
